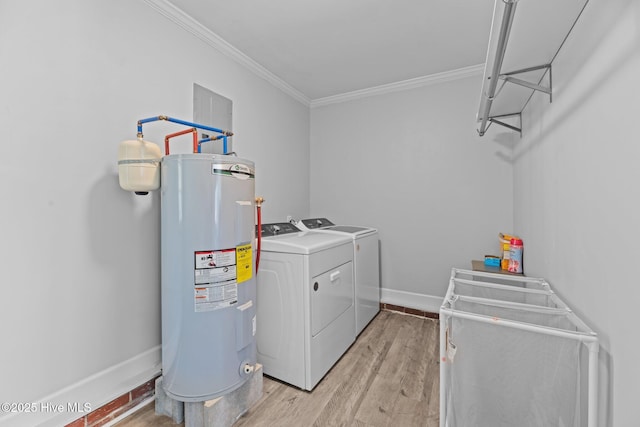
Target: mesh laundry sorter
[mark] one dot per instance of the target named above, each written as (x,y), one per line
(513,354)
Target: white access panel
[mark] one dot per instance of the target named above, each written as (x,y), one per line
(305,312)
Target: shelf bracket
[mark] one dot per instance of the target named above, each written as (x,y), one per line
(508,77)
(495,120)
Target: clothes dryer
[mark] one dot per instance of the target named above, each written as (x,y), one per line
(305,303)
(366,265)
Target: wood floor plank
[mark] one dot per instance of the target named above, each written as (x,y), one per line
(399,365)
(412,384)
(290,406)
(413,361)
(410,412)
(389,377)
(413,405)
(345,402)
(376,407)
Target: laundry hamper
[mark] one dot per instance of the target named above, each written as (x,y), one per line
(512,354)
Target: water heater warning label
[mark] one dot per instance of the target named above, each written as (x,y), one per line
(213,297)
(209,259)
(215,279)
(215,275)
(245,265)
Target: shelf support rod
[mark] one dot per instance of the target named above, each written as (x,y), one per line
(508,77)
(508,126)
(526,70)
(505,29)
(527,84)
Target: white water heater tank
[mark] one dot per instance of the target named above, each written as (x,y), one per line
(208,286)
(139,165)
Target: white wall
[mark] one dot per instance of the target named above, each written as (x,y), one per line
(79,276)
(411,164)
(576,191)
(79,296)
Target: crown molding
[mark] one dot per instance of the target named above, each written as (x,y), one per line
(189,24)
(414,83)
(186,22)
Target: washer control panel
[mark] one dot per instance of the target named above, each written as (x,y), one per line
(278,228)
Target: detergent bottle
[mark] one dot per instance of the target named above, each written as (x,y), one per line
(515,255)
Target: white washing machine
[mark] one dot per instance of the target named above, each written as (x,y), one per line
(305,303)
(366,265)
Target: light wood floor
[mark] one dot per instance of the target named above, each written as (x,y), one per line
(389,377)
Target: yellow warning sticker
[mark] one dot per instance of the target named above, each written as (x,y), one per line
(244,263)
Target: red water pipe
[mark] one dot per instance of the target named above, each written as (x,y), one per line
(259,201)
(182,132)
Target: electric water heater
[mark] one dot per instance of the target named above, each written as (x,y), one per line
(208,275)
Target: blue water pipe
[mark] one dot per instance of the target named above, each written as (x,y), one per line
(223,136)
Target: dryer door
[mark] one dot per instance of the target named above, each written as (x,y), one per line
(332,294)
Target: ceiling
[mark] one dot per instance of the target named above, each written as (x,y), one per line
(324,48)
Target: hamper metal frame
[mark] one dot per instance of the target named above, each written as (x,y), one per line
(509,283)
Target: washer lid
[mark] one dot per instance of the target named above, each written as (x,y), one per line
(305,243)
(350,229)
(312,223)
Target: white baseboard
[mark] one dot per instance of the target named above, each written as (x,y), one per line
(95,390)
(422,302)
